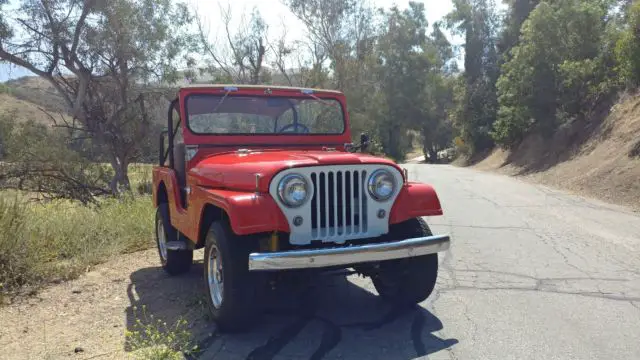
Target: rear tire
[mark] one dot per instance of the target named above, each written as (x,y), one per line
(232,291)
(174,262)
(407,281)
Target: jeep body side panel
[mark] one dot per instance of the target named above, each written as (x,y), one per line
(167,177)
(248,212)
(415,200)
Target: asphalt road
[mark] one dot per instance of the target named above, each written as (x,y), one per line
(533,273)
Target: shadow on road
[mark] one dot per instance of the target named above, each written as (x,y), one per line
(324,317)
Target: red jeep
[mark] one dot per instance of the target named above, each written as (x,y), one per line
(266,179)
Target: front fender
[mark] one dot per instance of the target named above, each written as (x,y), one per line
(415,200)
(249,213)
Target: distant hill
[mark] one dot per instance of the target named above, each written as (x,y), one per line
(36,91)
(22,110)
(41,93)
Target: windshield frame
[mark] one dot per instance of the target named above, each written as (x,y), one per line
(301,96)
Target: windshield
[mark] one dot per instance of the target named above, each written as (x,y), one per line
(241,114)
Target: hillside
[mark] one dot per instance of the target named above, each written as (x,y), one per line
(38,91)
(600,159)
(28,98)
(21,110)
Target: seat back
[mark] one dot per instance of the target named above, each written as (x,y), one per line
(179,163)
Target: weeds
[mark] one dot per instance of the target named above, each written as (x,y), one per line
(61,239)
(153,339)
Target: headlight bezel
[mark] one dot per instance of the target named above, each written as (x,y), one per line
(371,184)
(282,187)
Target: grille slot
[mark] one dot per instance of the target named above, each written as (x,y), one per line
(339,204)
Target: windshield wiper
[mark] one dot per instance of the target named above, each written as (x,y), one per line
(229,90)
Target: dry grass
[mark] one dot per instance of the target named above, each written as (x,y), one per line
(36,90)
(59,240)
(21,110)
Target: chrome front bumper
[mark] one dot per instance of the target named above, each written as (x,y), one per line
(317,258)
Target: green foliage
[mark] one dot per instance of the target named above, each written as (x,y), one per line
(476,102)
(556,73)
(627,50)
(60,240)
(406,61)
(518,12)
(153,339)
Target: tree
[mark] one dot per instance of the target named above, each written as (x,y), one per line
(518,12)
(402,75)
(557,71)
(101,56)
(337,28)
(477,107)
(340,52)
(241,56)
(39,160)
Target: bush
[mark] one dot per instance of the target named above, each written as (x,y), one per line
(38,158)
(60,239)
(5,89)
(18,260)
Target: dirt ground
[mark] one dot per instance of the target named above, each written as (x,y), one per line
(87,318)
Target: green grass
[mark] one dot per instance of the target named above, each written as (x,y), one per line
(58,240)
(4,89)
(153,339)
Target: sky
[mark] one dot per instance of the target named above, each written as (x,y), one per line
(274,13)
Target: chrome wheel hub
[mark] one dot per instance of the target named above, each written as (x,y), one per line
(162,240)
(214,277)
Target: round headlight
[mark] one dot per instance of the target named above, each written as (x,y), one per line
(293,190)
(381,185)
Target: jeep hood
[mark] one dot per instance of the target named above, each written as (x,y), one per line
(237,171)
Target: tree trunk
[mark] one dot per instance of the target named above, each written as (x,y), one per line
(120,178)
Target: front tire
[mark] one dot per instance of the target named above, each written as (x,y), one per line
(407,281)
(174,262)
(231,289)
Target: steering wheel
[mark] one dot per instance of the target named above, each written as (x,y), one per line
(295,126)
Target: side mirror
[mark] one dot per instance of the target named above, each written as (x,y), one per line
(364,142)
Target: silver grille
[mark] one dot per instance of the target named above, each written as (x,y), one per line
(340,207)
(339,203)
